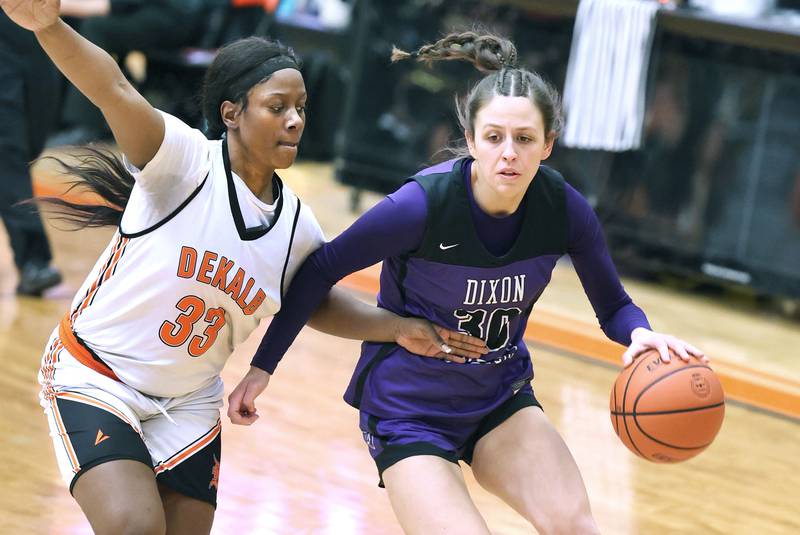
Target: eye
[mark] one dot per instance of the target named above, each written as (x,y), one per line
(301,109)
(524,139)
(493,138)
(276,108)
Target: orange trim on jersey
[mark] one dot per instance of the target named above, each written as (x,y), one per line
(80,351)
(50,372)
(190,450)
(48,365)
(62,431)
(105,274)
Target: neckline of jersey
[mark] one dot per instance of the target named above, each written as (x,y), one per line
(253,233)
(468,199)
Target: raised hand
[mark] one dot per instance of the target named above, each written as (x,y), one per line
(33,15)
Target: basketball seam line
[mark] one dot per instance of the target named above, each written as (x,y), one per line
(625,420)
(670,374)
(638,398)
(653,413)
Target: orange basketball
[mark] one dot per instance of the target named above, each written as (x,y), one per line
(667,412)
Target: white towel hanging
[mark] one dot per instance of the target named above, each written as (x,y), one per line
(604,93)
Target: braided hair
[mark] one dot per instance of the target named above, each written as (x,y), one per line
(497,57)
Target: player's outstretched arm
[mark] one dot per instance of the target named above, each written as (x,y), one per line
(341,314)
(138,128)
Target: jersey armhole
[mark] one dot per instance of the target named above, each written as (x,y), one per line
(426,231)
(167,218)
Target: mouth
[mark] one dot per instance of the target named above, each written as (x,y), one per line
(287,144)
(508,173)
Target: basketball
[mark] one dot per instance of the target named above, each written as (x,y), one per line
(667,412)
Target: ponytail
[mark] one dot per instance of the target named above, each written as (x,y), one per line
(496,57)
(487,52)
(99,172)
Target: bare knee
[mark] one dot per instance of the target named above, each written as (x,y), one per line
(120,497)
(128,521)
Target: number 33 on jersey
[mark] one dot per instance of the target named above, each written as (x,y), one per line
(173,300)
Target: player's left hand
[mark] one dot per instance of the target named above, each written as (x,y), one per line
(643,339)
(423,338)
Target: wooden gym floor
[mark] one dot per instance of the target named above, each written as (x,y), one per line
(303,468)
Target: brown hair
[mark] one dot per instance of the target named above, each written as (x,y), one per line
(497,57)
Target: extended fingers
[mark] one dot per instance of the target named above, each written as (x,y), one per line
(633,351)
(466,348)
(450,357)
(686,351)
(678,347)
(466,341)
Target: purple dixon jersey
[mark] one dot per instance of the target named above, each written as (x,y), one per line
(454,281)
(447,261)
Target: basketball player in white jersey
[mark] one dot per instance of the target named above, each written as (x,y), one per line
(208,238)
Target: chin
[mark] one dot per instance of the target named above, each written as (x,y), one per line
(510,190)
(284,164)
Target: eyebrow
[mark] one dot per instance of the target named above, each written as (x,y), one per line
(492,125)
(284,94)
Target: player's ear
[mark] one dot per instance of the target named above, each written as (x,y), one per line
(549,141)
(230,113)
(471,144)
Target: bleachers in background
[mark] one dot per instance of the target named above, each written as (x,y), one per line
(713,195)
(720,202)
(174,78)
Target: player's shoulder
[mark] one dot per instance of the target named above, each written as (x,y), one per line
(178,128)
(551,176)
(444,168)
(442,179)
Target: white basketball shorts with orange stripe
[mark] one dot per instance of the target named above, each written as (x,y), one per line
(95,419)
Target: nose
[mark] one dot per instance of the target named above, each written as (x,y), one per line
(293,120)
(509,152)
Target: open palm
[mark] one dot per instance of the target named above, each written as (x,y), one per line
(33,15)
(420,337)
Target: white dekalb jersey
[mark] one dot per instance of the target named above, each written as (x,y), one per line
(164,307)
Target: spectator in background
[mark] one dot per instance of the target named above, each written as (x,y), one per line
(119,27)
(28,107)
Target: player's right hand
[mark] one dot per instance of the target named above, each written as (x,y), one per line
(242,401)
(33,15)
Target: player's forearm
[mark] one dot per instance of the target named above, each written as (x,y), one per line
(345,316)
(90,68)
(137,127)
(85,8)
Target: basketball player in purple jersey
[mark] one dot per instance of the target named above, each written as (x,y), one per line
(470,244)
